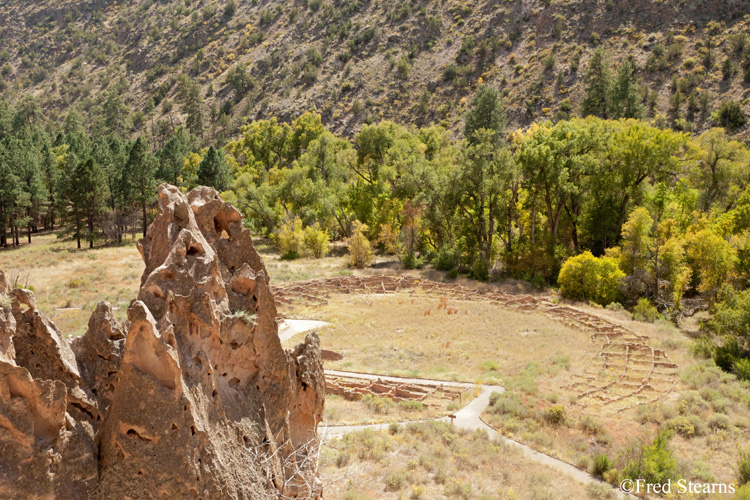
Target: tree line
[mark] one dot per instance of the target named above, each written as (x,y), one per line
(92,185)
(611,210)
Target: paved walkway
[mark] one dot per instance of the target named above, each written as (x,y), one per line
(291,327)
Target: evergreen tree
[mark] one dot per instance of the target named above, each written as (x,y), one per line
(140,181)
(486,112)
(598,84)
(626,95)
(189,93)
(87,195)
(214,170)
(9,193)
(34,197)
(172,156)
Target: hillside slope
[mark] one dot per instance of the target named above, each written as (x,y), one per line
(360,61)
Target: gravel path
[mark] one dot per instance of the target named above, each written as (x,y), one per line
(469,418)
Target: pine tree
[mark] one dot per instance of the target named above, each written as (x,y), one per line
(9,192)
(189,93)
(214,170)
(87,196)
(626,99)
(598,83)
(172,156)
(486,112)
(140,178)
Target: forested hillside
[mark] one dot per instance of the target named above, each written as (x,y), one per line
(143,67)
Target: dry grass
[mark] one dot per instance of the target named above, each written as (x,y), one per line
(68,283)
(433,460)
(394,334)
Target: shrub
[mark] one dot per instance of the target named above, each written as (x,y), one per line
(360,252)
(555,415)
(446,258)
(591,426)
(743,467)
(601,465)
(682,426)
(316,242)
(394,481)
(730,115)
(377,404)
(458,489)
(644,311)
(291,239)
(480,270)
(654,463)
(718,422)
(585,277)
(741,368)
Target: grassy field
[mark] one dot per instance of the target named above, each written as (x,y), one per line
(407,335)
(68,283)
(434,460)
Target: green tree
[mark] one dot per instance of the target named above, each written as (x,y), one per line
(140,178)
(10,190)
(189,94)
(485,112)
(480,185)
(626,101)
(213,170)
(598,85)
(172,156)
(87,197)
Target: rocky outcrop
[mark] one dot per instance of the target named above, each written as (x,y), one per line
(192,397)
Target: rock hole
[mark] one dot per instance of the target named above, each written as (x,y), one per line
(192,433)
(111,387)
(94,391)
(246,440)
(194,251)
(174,426)
(198,361)
(214,394)
(221,226)
(234,383)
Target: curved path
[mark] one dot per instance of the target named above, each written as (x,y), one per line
(469,417)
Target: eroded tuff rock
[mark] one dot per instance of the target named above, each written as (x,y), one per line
(192,397)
